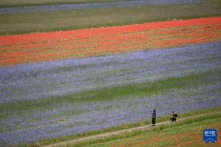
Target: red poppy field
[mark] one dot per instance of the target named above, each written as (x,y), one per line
(29,48)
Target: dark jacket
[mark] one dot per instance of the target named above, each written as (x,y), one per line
(153,114)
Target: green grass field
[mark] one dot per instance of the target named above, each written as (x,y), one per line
(187,131)
(90,18)
(184,133)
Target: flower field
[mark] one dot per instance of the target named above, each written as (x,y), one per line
(81,95)
(29,48)
(66,83)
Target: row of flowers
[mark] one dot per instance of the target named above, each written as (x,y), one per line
(40,47)
(46,81)
(23,84)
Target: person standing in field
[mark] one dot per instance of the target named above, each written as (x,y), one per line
(173,116)
(153,115)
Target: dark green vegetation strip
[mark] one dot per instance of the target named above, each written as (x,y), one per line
(90,18)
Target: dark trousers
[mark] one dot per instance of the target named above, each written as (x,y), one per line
(153,121)
(173,119)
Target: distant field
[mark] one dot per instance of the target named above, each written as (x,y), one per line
(40,47)
(89,5)
(20,3)
(14,3)
(89,18)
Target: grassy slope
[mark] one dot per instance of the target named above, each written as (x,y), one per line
(89,18)
(187,132)
(183,133)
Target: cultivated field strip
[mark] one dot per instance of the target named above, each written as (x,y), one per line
(65,7)
(50,21)
(63,77)
(40,47)
(81,95)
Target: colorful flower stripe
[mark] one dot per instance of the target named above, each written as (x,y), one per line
(40,47)
(197,67)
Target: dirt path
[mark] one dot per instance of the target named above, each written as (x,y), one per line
(145,127)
